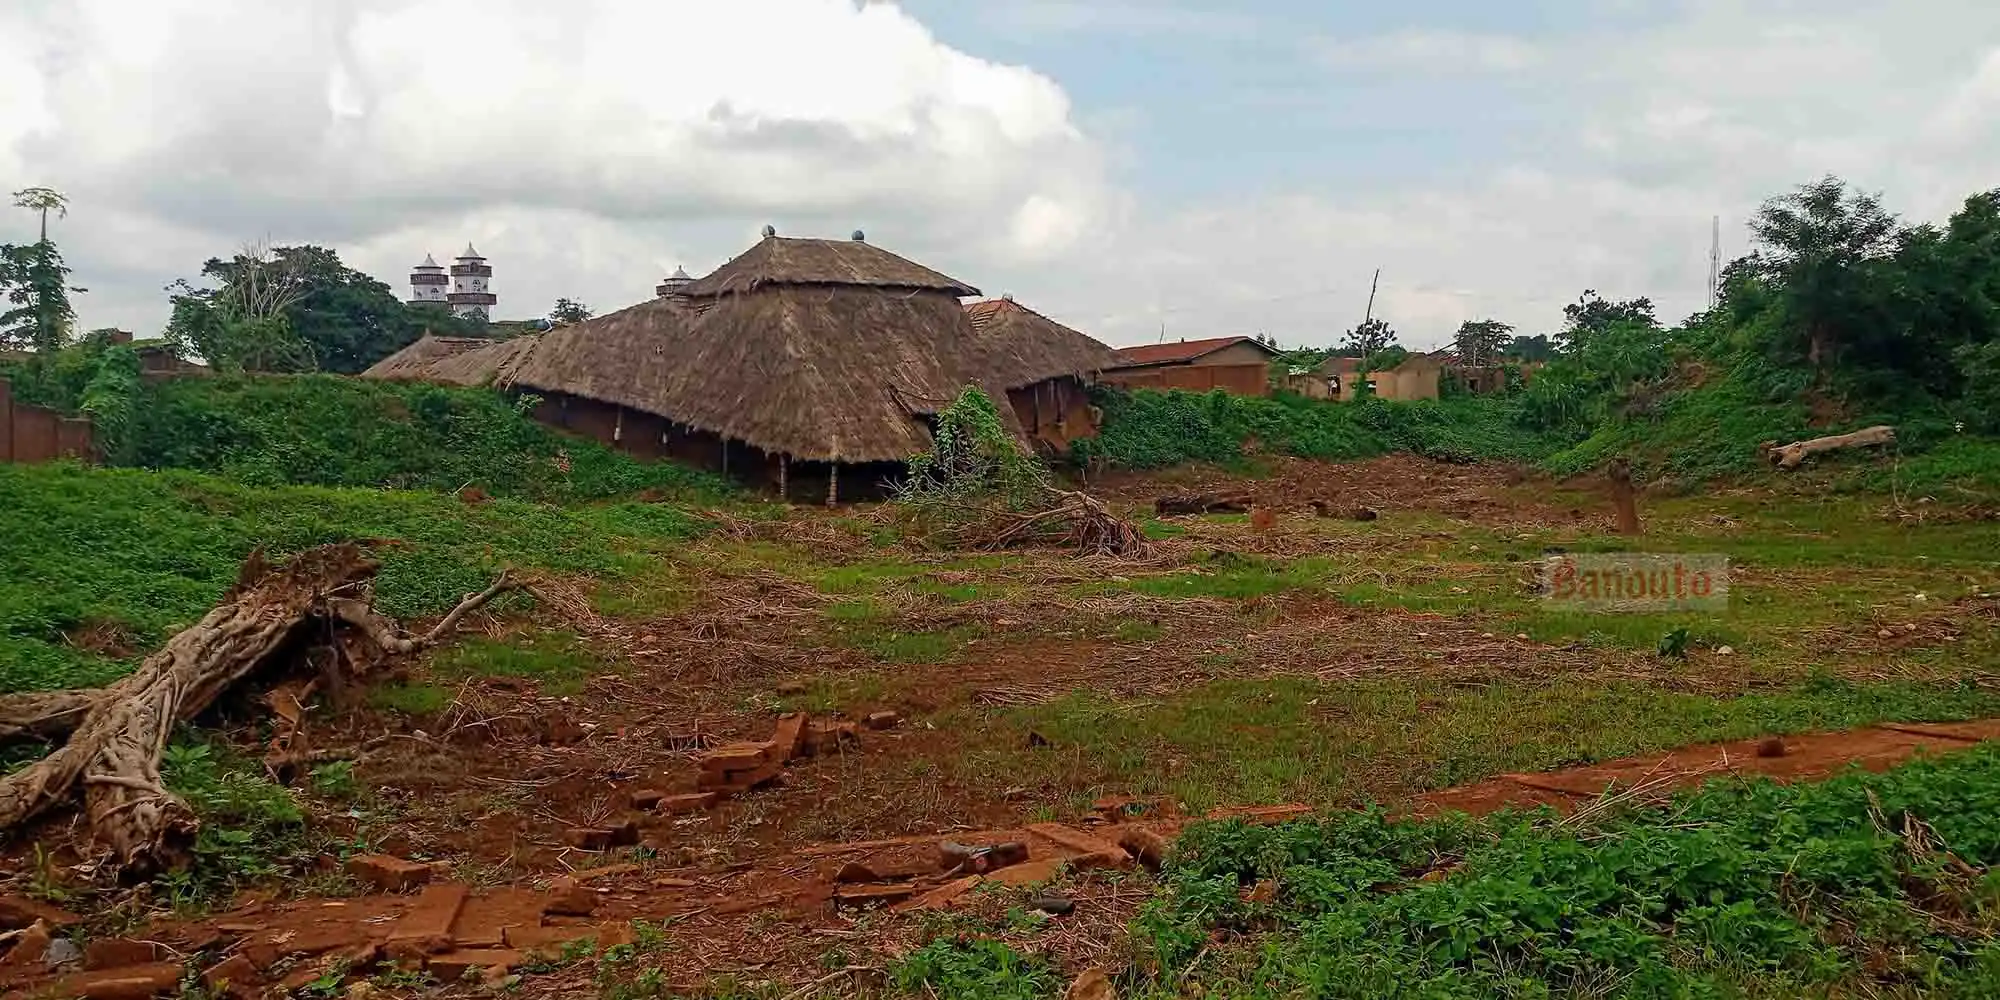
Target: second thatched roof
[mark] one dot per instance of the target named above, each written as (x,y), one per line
(1019,346)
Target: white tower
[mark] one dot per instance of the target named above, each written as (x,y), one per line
(427,282)
(674,284)
(471,285)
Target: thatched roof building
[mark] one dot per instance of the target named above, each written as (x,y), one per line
(799,352)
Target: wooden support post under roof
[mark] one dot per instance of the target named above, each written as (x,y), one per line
(832,483)
(784,467)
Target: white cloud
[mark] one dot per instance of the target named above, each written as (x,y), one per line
(548,133)
(1428,51)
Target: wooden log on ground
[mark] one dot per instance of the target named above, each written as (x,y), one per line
(1202,503)
(1790,456)
(117,734)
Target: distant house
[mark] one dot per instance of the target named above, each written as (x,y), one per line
(1235,364)
(1415,378)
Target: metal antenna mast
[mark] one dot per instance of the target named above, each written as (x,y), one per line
(1715,262)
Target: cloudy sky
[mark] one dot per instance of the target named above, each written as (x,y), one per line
(1128,166)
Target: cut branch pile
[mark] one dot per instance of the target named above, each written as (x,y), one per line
(1077,520)
(1791,456)
(116,734)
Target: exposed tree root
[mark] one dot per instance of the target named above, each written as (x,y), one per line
(117,734)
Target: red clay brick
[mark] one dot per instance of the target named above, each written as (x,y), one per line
(234,977)
(587,838)
(1149,847)
(942,897)
(17,912)
(790,736)
(388,874)
(566,898)
(675,805)
(28,948)
(452,966)
(646,798)
(1029,873)
(426,929)
(737,757)
(117,953)
(484,920)
(884,720)
(1090,851)
(133,982)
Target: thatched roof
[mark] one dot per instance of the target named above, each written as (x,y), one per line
(788,261)
(413,363)
(819,372)
(1019,346)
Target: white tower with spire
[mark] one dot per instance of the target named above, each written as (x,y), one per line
(427,282)
(675,284)
(471,285)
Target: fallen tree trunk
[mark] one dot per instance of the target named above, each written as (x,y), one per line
(1790,456)
(117,734)
(1202,503)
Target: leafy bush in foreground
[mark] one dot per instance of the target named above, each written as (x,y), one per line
(1149,429)
(326,430)
(1863,882)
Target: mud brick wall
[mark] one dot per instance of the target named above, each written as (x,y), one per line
(33,434)
(1243,380)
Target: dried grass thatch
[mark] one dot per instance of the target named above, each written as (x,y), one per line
(1019,346)
(413,363)
(787,261)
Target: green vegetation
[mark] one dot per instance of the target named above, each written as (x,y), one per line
(1148,429)
(118,559)
(327,431)
(251,829)
(974,969)
(1856,885)
(556,660)
(1287,739)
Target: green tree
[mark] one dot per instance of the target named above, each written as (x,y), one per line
(36,281)
(568,311)
(1818,250)
(1368,339)
(1536,348)
(1592,314)
(1481,342)
(334,318)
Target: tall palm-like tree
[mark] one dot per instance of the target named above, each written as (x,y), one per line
(43,200)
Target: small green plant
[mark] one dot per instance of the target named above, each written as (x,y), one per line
(976,969)
(974,457)
(334,779)
(1674,644)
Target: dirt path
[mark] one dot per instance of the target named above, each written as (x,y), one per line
(777,916)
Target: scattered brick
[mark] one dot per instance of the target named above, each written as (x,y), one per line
(1055,906)
(452,966)
(426,928)
(741,781)
(646,798)
(235,977)
(116,953)
(587,838)
(483,922)
(1031,873)
(624,833)
(855,871)
(388,874)
(823,738)
(1149,847)
(133,982)
(1004,855)
(1091,851)
(17,912)
(790,736)
(864,895)
(736,757)
(568,899)
(675,805)
(942,897)
(884,720)
(28,948)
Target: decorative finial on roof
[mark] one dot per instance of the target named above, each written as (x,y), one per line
(1006,296)
(860,237)
(770,231)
